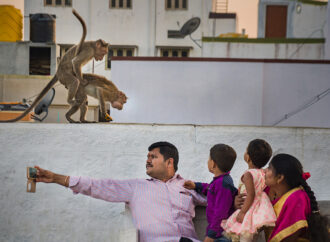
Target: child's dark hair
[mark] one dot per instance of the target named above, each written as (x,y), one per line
(292,170)
(259,152)
(224,156)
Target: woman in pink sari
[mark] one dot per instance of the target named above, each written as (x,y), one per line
(298,215)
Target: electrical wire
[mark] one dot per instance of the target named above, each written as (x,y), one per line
(309,37)
(304,106)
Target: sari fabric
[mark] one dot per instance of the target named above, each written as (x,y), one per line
(292,211)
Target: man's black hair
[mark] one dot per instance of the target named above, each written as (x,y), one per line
(168,150)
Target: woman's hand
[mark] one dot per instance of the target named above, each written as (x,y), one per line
(208,239)
(239,200)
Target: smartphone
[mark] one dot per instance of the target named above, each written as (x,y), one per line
(31,173)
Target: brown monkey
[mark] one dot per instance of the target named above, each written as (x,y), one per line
(100,88)
(69,68)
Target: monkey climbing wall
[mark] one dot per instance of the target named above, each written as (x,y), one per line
(11,24)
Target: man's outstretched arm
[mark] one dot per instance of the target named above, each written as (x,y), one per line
(106,189)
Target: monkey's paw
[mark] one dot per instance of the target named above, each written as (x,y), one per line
(108,118)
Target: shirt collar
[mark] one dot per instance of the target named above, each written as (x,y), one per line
(222,175)
(176,176)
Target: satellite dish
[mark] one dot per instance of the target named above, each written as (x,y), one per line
(190,26)
(187,29)
(43,105)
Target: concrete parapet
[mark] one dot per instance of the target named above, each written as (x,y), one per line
(119,151)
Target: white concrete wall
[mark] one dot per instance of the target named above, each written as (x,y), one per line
(119,151)
(205,92)
(327,34)
(14,58)
(189,92)
(230,49)
(309,23)
(220,92)
(288,87)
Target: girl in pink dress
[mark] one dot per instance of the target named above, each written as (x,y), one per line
(257,210)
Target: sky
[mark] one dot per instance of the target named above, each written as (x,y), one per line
(246,15)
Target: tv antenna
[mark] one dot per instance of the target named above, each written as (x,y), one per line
(43,105)
(187,29)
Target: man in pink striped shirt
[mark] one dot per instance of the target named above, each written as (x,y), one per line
(162,209)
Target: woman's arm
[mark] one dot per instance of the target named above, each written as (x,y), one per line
(247,179)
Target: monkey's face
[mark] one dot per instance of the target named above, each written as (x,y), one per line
(100,53)
(101,50)
(119,103)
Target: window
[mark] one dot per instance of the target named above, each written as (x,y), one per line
(121,4)
(176,4)
(174,51)
(119,51)
(58,3)
(39,61)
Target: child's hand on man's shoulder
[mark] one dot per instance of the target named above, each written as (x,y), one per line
(189,185)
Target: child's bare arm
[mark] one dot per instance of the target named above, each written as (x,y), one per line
(247,179)
(189,185)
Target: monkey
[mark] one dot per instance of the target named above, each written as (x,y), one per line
(69,69)
(100,88)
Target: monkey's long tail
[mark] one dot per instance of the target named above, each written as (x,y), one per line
(78,49)
(35,102)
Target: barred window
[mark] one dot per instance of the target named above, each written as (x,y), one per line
(121,4)
(174,52)
(58,3)
(119,51)
(176,4)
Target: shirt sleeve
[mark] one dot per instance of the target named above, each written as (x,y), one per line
(105,189)
(201,188)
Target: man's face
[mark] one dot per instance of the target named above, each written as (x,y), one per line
(156,165)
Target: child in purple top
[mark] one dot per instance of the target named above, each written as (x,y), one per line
(220,192)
